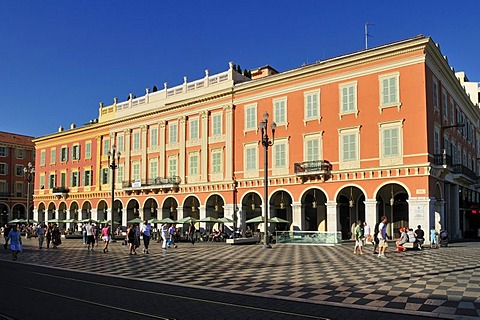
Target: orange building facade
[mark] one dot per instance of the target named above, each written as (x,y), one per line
(16,152)
(385,131)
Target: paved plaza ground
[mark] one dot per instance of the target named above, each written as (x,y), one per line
(440,283)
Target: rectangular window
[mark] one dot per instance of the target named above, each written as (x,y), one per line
(217,124)
(389,90)
(63,179)
(153,137)
(106,146)
(19,153)
(136,140)
(42,157)
(4,188)
(193,164)
(88,150)
(19,189)
(173,133)
(251,158)
(452,111)
(435,95)
(280,155)
(280,112)
(3,151)
(120,143)
(251,118)
(172,167)
(312,150)
(19,170)
(348,99)
(76,152)
(349,147)
(105,176)
(436,139)
(312,105)
(444,105)
(64,154)
(52,181)
(194,129)
(391,142)
(87,178)
(216,161)
(120,173)
(136,171)
(153,169)
(74,179)
(3,169)
(53,156)
(42,181)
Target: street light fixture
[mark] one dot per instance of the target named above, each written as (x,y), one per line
(29,170)
(113,165)
(266,143)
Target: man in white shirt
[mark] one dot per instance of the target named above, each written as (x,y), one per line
(90,235)
(382,237)
(146,231)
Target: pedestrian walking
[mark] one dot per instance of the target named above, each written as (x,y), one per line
(171,233)
(164,232)
(359,234)
(146,231)
(131,235)
(15,242)
(90,236)
(375,238)
(56,236)
(40,230)
(106,237)
(48,235)
(84,232)
(367,233)
(433,238)
(6,231)
(382,237)
(191,232)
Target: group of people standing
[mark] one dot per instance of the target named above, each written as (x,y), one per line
(168,233)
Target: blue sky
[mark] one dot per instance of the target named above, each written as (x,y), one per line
(59,59)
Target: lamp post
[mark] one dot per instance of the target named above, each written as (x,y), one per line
(266,143)
(113,165)
(29,171)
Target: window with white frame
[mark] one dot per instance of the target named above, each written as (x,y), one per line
(280,156)
(52,181)
(120,173)
(193,128)
(436,142)
(3,169)
(280,111)
(3,151)
(42,157)
(153,169)
(153,136)
(120,143)
(452,111)
(251,117)
(19,153)
(53,156)
(173,133)
(64,154)
(251,156)
(349,147)
(136,171)
(106,146)
(217,124)
(63,179)
(193,164)
(88,150)
(435,94)
(312,147)
(389,90)
(348,98)
(444,104)
(391,142)
(87,178)
(19,170)
(76,152)
(42,181)
(312,105)
(136,140)
(216,161)
(172,166)
(74,179)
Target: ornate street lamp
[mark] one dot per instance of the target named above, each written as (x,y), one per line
(266,143)
(113,165)
(29,170)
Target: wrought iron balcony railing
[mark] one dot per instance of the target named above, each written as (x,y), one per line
(308,167)
(442,159)
(60,190)
(155,182)
(461,169)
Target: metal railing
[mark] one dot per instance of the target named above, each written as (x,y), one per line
(461,169)
(60,190)
(312,166)
(158,181)
(442,159)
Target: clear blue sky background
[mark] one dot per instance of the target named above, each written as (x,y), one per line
(59,59)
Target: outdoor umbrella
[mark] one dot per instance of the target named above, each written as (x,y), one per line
(165,220)
(71,221)
(209,219)
(258,219)
(17,221)
(278,220)
(89,220)
(187,220)
(55,221)
(136,220)
(225,220)
(32,221)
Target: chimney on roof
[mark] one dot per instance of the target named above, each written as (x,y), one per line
(60,129)
(263,72)
(72,126)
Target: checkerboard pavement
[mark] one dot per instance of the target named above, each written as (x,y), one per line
(442,283)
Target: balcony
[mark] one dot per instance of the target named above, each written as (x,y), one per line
(442,159)
(312,169)
(463,175)
(155,185)
(60,192)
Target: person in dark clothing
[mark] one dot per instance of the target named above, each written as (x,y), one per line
(6,231)
(191,233)
(420,236)
(375,238)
